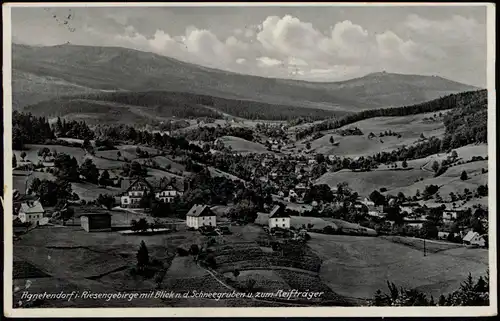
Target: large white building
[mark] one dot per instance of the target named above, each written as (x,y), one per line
(31,212)
(200,215)
(134,193)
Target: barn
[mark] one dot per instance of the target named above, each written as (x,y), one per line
(96,222)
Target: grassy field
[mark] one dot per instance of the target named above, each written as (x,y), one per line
(366,182)
(89,192)
(450,181)
(22,179)
(359,266)
(71,256)
(410,127)
(241,145)
(32,152)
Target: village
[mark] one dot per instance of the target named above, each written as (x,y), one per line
(291,211)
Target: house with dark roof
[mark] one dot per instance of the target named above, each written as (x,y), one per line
(31,212)
(200,215)
(278,218)
(166,191)
(134,191)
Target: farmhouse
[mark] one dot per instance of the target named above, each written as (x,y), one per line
(449,215)
(96,222)
(31,212)
(200,215)
(166,192)
(278,218)
(473,238)
(134,192)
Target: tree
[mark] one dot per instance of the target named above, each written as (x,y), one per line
(23,155)
(308,145)
(14,160)
(417,194)
(401,197)
(404,164)
(136,169)
(44,152)
(194,249)
(320,158)
(118,154)
(435,166)
(159,276)
(463,176)
(332,140)
(142,256)
(51,192)
(236,273)
(377,198)
(245,211)
(106,200)
(250,285)
(66,167)
(429,230)
(104,180)
(482,190)
(422,136)
(86,144)
(90,171)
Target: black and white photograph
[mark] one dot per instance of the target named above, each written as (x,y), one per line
(272,156)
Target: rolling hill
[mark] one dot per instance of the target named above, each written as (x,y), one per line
(71,69)
(151,106)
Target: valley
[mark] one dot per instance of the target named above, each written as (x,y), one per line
(189,178)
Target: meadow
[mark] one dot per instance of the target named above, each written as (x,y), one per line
(366,182)
(409,127)
(359,266)
(241,145)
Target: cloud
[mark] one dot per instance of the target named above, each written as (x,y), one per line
(391,46)
(456,28)
(267,62)
(286,46)
(288,36)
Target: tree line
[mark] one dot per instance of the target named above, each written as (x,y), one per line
(447,102)
(29,129)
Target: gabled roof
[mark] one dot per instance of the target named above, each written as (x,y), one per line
(127,184)
(200,210)
(470,236)
(277,212)
(32,207)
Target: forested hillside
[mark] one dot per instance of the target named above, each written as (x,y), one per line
(174,104)
(470,101)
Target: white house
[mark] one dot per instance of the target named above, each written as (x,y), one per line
(278,218)
(200,215)
(31,212)
(449,216)
(368,202)
(134,193)
(473,238)
(167,193)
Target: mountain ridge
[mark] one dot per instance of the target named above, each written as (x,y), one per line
(98,68)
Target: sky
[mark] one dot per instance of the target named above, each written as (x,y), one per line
(309,43)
